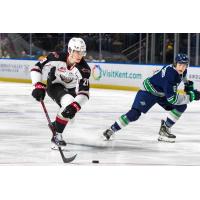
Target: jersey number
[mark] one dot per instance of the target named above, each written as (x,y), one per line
(85,82)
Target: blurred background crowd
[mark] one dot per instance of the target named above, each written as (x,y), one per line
(142,48)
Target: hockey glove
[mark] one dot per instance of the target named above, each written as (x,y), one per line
(194,95)
(189,86)
(39,92)
(70,111)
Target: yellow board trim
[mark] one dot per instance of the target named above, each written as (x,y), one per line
(17,80)
(114,87)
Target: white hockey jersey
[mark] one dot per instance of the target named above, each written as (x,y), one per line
(76,76)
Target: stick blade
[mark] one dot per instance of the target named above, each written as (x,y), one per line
(69,159)
(66,159)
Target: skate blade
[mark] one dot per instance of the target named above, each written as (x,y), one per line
(103,138)
(166,139)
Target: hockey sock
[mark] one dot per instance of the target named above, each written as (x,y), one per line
(60,124)
(120,123)
(115,127)
(173,116)
(169,123)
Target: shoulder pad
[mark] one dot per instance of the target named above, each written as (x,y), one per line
(84,69)
(171,75)
(56,56)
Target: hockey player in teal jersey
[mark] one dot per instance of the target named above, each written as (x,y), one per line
(161,88)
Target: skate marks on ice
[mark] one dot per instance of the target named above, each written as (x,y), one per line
(25,137)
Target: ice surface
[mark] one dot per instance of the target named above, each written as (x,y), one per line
(25,137)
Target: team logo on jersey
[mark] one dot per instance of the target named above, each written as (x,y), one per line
(66,79)
(85,70)
(62,69)
(96,72)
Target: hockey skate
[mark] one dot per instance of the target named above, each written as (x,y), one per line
(57,139)
(107,134)
(165,133)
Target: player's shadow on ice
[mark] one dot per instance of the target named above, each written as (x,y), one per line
(123,147)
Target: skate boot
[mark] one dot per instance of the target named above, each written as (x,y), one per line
(107,134)
(57,139)
(165,133)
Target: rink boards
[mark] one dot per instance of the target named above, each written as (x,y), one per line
(103,75)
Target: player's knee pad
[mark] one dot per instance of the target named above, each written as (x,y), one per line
(133,114)
(66,100)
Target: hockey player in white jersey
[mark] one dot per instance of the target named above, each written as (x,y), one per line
(67,84)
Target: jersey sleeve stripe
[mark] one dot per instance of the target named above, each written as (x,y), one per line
(173,99)
(36,70)
(149,88)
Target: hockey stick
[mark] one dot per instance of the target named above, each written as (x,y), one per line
(65,159)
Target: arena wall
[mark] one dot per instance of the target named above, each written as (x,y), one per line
(103,75)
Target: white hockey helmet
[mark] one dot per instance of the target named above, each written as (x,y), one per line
(77,44)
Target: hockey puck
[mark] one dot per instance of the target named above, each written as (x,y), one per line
(95,161)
